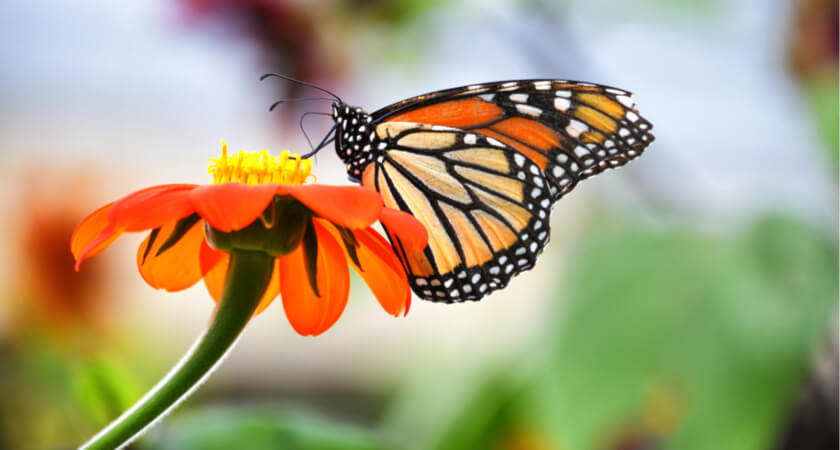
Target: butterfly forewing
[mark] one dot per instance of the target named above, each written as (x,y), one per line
(571,130)
(484,204)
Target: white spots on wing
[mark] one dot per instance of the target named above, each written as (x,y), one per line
(623,132)
(475,86)
(585,84)
(581,151)
(518,159)
(494,142)
(575,128)
(440,128)
(608,143)
(469,139)
(519,98)
(631,116)
(510,84)
(542,85)
(536,192)
(487,97)
(557,171)
(529,110)
(566,94)
(625,100)
(616,91)
(562,104)
(382,146)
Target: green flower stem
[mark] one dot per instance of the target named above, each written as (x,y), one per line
(247,278)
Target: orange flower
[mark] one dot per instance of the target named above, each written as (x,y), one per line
(260,202)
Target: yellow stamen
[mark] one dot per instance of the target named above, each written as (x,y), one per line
(260,168)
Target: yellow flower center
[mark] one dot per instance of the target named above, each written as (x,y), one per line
(259,168)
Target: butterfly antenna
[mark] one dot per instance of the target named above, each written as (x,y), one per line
(302,83)
(330,136)
(303,130)
(296,100)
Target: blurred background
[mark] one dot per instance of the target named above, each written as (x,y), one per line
(686,301)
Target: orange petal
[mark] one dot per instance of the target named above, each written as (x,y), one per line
(382,271)
(88,238)
(231,206)
(353,207)
(177,267)
(271,291)
(214,265)
(309,314)
(409,230)
(151,207)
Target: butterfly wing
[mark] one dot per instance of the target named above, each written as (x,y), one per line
(571,130)
(484,204)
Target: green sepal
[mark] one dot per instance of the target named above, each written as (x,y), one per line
(152,236)
(351,244)
(181,228)
(278,230)
(310,256)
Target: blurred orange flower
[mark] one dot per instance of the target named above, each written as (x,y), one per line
(259,202)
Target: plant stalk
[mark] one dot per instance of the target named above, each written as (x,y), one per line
(247,278)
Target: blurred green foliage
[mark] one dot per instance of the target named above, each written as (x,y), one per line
(103,390)
(255,428)
(823,93)
(668,337)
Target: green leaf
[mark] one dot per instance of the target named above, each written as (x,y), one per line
(257,429)
(723,325)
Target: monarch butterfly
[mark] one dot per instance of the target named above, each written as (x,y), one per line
(480,166)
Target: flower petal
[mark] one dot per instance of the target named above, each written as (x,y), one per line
(271,291)
(151,207)
(382,271)
(88,238)
(214,265)
(177,267)
(409,230)
(309,314)
(353,207)
(231,206)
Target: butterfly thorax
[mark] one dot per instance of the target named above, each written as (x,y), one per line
(354,138)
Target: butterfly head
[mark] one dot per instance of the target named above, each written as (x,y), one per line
(354,137)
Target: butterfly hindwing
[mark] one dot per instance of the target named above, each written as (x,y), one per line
(571,130)
(484,204)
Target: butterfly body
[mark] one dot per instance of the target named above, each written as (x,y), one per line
(481,165)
